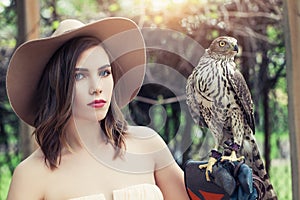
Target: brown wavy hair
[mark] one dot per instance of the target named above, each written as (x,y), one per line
(55,96)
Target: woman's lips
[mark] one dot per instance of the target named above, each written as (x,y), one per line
(97,103)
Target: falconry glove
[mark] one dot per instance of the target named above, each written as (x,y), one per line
(229,181)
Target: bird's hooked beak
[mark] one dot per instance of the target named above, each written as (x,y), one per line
(235,48)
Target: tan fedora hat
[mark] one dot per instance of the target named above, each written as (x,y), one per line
(120,36)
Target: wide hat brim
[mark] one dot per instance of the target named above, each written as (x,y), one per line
(120,36)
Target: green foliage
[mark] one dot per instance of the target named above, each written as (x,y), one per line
(114,7)
(8,24)
(4,181)
(281,178)
(278,142)
(77,8)
(9,158)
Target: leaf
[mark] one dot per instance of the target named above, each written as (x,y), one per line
(114,7)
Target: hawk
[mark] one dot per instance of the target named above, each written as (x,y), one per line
(219,99)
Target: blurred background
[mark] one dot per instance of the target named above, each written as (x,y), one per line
(176,33)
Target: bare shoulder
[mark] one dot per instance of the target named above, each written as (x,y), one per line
(146,141)
(33,165)
(145,136)
(168,175)
(33,170)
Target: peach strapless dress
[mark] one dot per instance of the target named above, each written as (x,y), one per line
(135,192)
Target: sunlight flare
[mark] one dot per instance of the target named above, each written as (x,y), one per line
(159,5)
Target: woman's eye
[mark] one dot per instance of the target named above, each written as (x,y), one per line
(105,73)
(79,76)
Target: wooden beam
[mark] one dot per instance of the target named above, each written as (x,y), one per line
(28,19)
(28,12)
(292,32)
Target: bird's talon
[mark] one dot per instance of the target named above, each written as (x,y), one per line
(202,166)
(232,157)
(207,175)
(241,158)
(208,166)
(207,172)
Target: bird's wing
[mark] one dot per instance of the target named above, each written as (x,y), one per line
(241,89)
(193,104)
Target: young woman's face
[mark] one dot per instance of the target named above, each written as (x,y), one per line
(93,85)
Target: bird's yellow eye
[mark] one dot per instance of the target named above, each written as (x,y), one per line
(222,44)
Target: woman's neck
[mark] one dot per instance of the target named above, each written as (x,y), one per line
(82,133)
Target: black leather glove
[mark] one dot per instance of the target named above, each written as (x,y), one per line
(229,181)
(236,179)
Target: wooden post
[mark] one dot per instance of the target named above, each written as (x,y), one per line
(28,12)
(292,32)
(28,20)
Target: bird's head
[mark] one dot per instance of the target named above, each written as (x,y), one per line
(224,46)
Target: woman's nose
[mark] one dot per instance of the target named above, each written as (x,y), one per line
(95,91)
(96,87)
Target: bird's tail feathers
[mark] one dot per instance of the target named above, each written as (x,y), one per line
(251,152)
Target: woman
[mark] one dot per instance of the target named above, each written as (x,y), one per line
(70,87)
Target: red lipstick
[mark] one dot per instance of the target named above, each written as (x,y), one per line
(97,103)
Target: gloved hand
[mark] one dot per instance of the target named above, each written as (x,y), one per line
(236,179)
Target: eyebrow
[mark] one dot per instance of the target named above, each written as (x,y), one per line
(99,69)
